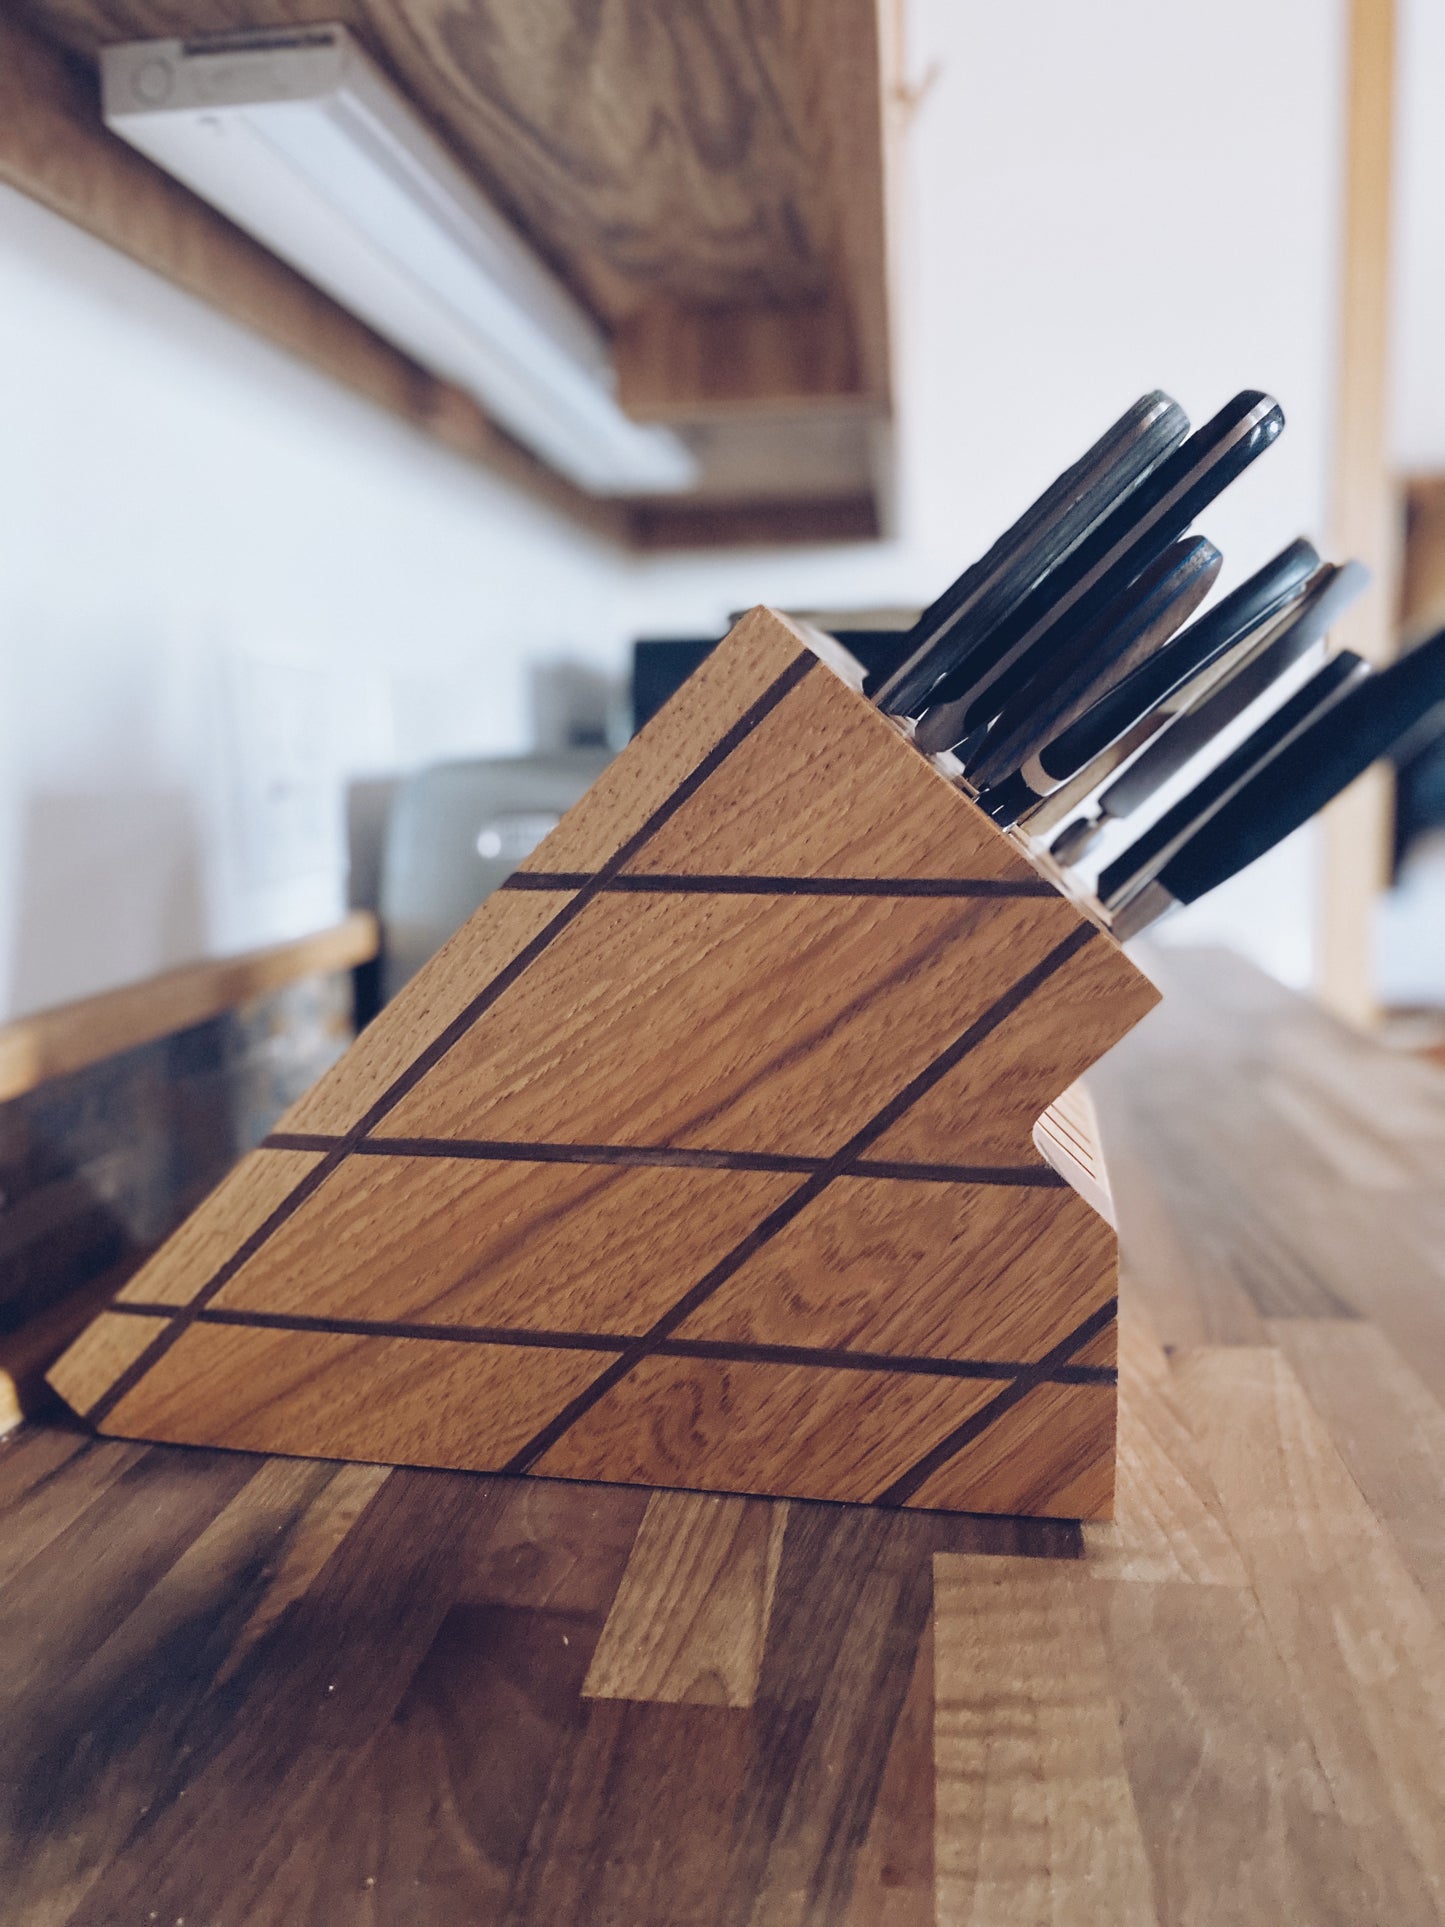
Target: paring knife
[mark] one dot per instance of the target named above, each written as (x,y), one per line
(960,620)
(1134,535)
(1122,638)
(1147,855)
(1262,660)
(1368,722)
(1242,613)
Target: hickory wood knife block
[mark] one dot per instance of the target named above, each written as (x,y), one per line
(704,1155)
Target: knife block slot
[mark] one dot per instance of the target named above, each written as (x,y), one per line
(728,1146)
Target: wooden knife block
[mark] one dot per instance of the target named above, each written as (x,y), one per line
(704,1155)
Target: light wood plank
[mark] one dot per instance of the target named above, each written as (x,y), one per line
(598,1248)
(1387,1428)
(1364,1654)
(395,1401)
(1365,520)
(1167,1519)
(691,1614)
(1036,1819)
(1239,1820)
(70,1036)
(463,967)
(1050,1456)
(28,1352)
(816,1283)
(789,1430)
(103,1351)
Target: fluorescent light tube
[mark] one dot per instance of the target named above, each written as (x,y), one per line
(300,140)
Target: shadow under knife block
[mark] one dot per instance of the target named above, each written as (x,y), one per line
(704,1155)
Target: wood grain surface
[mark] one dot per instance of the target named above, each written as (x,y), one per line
(254,1692)
(711,183)
(664,1172)
(51,1043)
(649,152)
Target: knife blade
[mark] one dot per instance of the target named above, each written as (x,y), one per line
(1262,660)
(1367,722)
(960,619)
(1138,531)
(1244,612)
(1122,638)
(1147,855)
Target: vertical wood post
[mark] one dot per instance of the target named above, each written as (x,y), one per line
(1356,829)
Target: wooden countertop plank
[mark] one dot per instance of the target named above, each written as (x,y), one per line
(1167,1521)
(629,1833)
(691,1615)
(1387,1428)
(1364,1653)
(448,1794)
(59,1494)
(1036,1819)
(893,1881)
(1238,1819)
(1226,1707)
(142,1674)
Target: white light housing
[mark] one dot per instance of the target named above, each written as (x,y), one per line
(300,140)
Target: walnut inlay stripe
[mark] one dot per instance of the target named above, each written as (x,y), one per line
(739,1352)
(839,1165)
(655,884)
(683,1158)
(781,687)
(902,1489)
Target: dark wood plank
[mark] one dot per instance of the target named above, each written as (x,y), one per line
(630,1832)
(343,1699)
(894,1874)
(105,1630)
(57,1492)
(426,1824)
(852,1599)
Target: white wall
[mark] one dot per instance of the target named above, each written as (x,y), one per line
(1100,199)
(226,589)
(1418,255)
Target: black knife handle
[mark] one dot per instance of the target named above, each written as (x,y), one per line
(1262,662)
(1308,773)
(1133,536)
(958,621)
(1135,624)
(1244,611)
(1147,855)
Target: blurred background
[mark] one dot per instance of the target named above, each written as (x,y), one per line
(279,609)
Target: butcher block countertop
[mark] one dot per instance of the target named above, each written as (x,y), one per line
(239,1690)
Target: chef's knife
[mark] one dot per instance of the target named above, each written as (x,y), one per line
(1262,661)
(1147,855)
(1134,535)
(950,628)
(1367,722)
(1123,637)
(1243,613)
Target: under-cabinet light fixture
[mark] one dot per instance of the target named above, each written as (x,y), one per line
(298,138)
